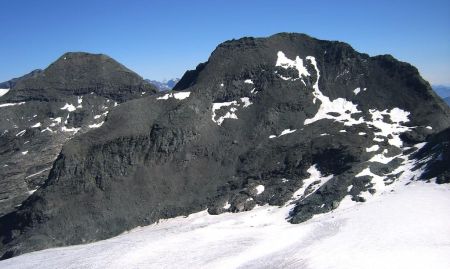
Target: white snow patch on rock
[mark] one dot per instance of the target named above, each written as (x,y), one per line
(96,125)
(287,131)
(259,189)
(287,63)
(47,130)
(340,106)
(313,183)
(341,110)
(284,132)
(356,91)
(246,101)
(25,152)
(36,125)
(11,104)
(30,192)
(248,81)
(231,113)
(73,129)
(394,129)
(68,107)
(227,205)
(55,121)
(38,173)
(21,133)
(373,148)
(176,95)
(80,101)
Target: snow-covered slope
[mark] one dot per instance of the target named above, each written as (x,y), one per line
(408,228)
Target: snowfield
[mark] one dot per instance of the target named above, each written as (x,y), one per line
(406,228)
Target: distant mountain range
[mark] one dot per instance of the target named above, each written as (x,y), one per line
(164,85)
(443,92)
(447,100)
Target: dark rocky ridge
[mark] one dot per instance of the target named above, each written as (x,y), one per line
(12,82)
(159,158)
(36,123)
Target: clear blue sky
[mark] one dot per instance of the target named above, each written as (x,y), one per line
(163,38)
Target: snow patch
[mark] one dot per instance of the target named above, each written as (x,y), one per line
(231,113)
(80,101)
(373,148)
(21,133)
(36,125)
(73,129)
(3,92)
(96,125)
(11,104)
(47,130)
(227,205)
(248,81)
(284,132)
(38,173)
(24,152)
(55,121)
(394,129)
(68,107)
(176,95)
(286,63)
(327,110)
(259,189)
(246,101)
(32,191)
(313,183)
(287,131)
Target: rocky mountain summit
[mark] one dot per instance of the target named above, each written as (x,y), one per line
(287,119)
(46,108)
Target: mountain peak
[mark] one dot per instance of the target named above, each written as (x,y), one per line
(80,73)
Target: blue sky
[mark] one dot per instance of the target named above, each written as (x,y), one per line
(163,38)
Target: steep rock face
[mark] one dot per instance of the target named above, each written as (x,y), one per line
(46,108)
(285,119)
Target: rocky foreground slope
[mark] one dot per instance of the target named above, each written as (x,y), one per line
(284,119)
